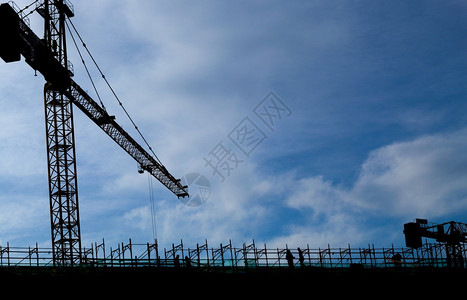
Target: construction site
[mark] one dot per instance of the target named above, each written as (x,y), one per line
(441,256)
(440,261)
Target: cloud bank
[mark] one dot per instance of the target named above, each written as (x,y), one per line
(424,177)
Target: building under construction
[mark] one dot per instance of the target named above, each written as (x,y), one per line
(204,266)
(227,257)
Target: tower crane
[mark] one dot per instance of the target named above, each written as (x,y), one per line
(452,234)
(49,57)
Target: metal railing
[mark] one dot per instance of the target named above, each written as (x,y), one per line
(247,256)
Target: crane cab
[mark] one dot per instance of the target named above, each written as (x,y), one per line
(413,235)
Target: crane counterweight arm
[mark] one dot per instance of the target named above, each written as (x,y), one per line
(107,123)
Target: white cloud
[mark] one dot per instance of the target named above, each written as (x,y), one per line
(337,230)
(328,217)
(423,177)
(315,193)
(23,219)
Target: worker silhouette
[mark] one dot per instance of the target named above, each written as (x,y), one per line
(289,258)
(187,262)
(397,259)
(301,259)
(177,261)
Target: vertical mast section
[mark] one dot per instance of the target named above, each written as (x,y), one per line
(63,191)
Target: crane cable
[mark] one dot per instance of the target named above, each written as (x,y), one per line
(152,207)
(111,89)
(150,184)
(28,6)
(86,67)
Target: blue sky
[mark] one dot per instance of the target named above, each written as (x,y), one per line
(372,133)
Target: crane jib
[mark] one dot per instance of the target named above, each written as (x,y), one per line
(107,123)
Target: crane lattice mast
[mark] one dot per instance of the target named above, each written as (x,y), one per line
(49,57)
(63,191)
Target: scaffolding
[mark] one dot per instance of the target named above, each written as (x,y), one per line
(228,257)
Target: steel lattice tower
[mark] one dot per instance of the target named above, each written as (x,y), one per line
(63,192)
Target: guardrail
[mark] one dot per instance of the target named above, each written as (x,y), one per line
(247,256)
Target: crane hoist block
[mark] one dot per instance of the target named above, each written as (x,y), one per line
(10,48)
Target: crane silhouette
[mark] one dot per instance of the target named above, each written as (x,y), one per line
(48,56)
